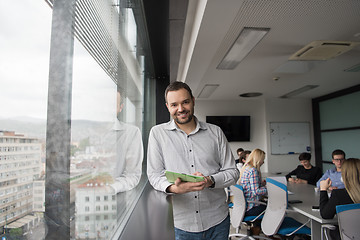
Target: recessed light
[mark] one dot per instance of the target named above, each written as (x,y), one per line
(251,94)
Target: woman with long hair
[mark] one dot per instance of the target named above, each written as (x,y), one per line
(350,174)
(250,179)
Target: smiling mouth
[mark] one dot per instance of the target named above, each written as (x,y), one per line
(184,114)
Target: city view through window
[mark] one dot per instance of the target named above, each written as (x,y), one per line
(103,173)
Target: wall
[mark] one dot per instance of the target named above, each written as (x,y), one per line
(262,112)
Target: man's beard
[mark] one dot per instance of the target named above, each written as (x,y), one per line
(185,120)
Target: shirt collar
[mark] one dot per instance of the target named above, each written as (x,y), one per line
(199,125)
(118,125)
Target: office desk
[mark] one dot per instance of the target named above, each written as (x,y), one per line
(309,198)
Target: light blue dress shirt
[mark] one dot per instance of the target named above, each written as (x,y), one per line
(334,176)
(204,150)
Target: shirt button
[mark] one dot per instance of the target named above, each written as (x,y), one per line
(190,150)
(195,196)
(197,211)
(192,165)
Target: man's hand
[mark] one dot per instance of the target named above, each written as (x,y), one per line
(298,180)
(184,187)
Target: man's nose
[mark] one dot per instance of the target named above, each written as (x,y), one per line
(180,108)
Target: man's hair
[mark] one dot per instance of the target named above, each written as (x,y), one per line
(121,92)
(174,86)
(338,152)
(239,150)
(304,156)
(243,155)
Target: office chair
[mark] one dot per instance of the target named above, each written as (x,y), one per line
(237,214)
(349,218)
(274,220)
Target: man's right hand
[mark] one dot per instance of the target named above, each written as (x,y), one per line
(184,187)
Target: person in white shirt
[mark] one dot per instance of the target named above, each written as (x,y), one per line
(187,145)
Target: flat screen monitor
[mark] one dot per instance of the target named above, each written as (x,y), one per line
(235,128)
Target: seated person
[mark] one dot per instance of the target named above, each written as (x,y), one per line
(242,158)
(350,194)
(338,157)
(238,151)
(250,179)
(305,173)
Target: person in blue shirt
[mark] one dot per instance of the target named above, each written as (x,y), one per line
(338,158)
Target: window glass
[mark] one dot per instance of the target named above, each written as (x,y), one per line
(24,70)
(105,101)
(340,112)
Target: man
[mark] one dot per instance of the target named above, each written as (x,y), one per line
(125,147)
(186,145)
(238,151)
(305,173)
(338,158)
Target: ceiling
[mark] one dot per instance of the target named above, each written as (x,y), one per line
(212,26)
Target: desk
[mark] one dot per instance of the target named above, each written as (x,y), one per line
(309,198)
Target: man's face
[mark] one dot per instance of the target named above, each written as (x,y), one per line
(180,105)
(338,160)
(305,163)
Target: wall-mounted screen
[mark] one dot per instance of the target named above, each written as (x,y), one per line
(235,128)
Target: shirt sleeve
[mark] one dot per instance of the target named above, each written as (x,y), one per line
(327,206)
(324,177)
(293,172)
(156,164)
(228,174)
(315,175)
(133,164)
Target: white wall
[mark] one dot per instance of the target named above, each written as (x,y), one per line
(262,112)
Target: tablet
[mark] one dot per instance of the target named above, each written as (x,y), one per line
(172,176)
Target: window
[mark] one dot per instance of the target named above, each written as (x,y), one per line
(96,78)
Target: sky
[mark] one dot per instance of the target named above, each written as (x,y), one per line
(25,30)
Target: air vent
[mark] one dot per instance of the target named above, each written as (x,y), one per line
(323,50)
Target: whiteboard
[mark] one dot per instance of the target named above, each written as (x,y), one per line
(289,137)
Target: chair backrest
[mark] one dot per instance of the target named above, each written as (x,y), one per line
(349,219)
(238,210)
(276,205)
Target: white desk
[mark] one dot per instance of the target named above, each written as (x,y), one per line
(309,198)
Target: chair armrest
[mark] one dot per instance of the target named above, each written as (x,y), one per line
(290,211)
(329,226)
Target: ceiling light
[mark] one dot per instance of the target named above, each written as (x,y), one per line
(245,42)
(298,91)
(251,94)
(208,90)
